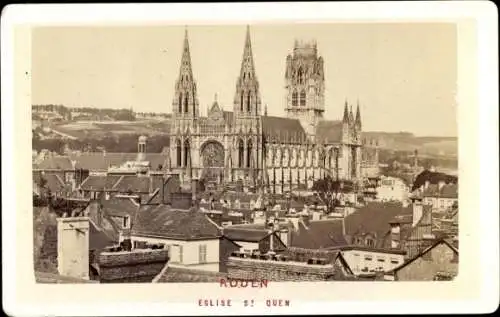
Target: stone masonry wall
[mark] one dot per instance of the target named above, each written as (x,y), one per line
(253,269)
(131,266)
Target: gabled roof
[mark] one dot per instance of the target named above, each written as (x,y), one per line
(374,218)
(245,234)
(101,162)
(329,131)
(177,274)
(282,129)
(319,234)
(133,183)
(119,207)
(428,249)
(54,181)
(99,183)
(163,222)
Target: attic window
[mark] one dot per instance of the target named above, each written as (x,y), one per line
(126,222)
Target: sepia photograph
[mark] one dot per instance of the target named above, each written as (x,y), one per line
(242,155)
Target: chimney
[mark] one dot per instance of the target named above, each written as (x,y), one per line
(305,220)
(418,210)
(440,185)
(426,184)
(73,247)
(395,234)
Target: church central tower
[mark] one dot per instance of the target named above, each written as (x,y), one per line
(305,86)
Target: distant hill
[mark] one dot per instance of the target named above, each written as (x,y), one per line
(408,142)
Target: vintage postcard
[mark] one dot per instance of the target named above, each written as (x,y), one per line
(250,158)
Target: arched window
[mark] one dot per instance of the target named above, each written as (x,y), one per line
(180,102)
(303,98)
(294,98)
(186,103)
(241,153)
(241,102)
(178,152)
(248,102)
(300,75)
(249,153)
(187,148)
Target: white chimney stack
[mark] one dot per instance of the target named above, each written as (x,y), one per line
(73,247)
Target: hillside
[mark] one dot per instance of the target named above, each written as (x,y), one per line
(407,142)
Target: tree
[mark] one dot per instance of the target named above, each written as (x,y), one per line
(327,190)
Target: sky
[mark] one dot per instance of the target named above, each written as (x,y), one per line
(404,75)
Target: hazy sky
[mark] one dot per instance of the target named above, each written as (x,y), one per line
(404,75)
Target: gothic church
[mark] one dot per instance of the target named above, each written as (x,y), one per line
(281,153)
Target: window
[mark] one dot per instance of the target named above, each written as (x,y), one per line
(186,152)
(249,153)
(300,76)
(394,261)
(248,102)
(178,150)
(186,103)
(241,154)
(202,252)
(368,258)
(241,102)
(126,222)
(180,102)
(303,98)
(294,99)
(370,242)
(381,260)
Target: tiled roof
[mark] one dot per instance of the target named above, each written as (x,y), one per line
(245,234)
(99,238)
(282,129)
(133,183)
(54,181)
(94,182)
(435,244)
(329,131)
(374,218)
(446,191)
(176,274)
(119,207)
(163,222)
(101,162)
(319,234)
(56,162)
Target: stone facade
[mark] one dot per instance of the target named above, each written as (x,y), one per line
(140,265)
(238,145)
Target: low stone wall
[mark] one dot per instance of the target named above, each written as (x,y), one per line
(140,265)
(254,269)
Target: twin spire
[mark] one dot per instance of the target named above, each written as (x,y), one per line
(349,116)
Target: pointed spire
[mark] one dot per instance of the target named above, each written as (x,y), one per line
(358,116)
(247,64)
(265,110)
(351,115)
(346,113)
(215,97)
(186,68)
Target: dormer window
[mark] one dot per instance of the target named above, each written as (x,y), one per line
(126,222)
